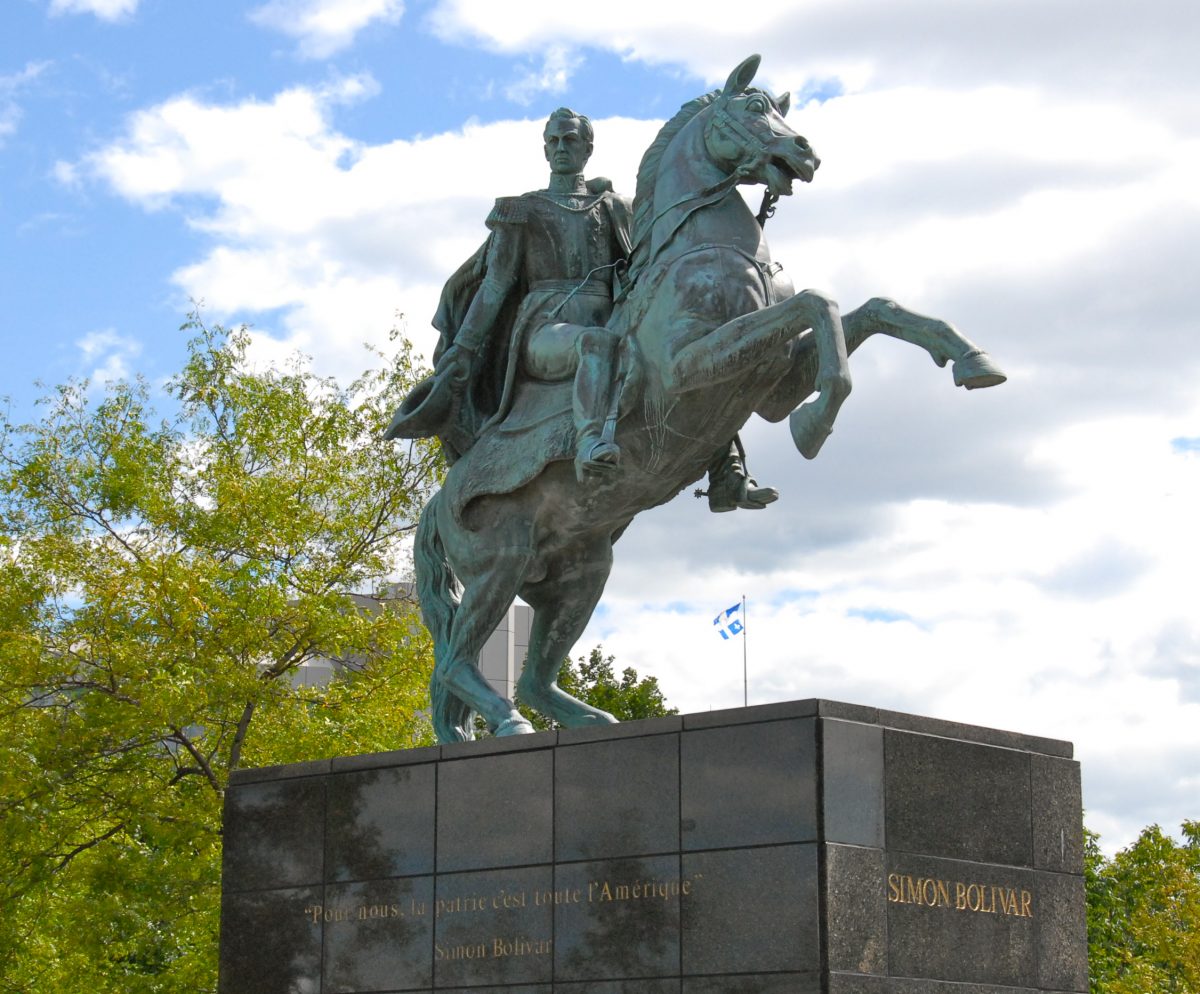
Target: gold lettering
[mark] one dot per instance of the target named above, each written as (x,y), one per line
(943,894)
(1026,904)
(910,890)
(960,895)
(314,912)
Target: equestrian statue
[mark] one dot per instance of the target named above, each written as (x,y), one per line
(596,358)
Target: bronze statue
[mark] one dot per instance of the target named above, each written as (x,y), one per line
(636,352)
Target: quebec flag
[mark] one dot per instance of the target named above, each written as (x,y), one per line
(727,624)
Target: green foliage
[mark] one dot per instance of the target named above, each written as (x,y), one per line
(1143,911)
(161,582)
(593,680)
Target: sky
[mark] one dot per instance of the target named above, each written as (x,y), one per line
(1024,557)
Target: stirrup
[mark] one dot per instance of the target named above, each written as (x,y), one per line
(596,456)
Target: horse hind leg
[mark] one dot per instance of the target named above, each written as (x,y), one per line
(973,367)
(484,603)
(562,606)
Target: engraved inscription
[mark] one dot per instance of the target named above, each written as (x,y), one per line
(961,895)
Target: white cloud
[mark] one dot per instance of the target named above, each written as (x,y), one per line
(106,356)
(552,76)
(106,10)
(325,27)
(11,86)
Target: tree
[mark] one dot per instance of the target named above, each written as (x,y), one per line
(1143,909)
(161,582)
(594,681)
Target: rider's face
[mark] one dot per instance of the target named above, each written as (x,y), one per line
(566,150)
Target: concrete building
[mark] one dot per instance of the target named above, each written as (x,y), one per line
(501,659)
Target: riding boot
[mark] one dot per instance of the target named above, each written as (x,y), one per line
(730,486)
(594,453)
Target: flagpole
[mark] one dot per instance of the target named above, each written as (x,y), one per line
(745,671)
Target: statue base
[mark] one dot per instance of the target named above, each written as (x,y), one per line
(790,848)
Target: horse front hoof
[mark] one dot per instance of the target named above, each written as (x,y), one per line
(976,370)
(808,432)
(516,725)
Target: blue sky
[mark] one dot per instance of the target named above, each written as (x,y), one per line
(1023,557)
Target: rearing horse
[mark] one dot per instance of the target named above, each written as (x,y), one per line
(713,333)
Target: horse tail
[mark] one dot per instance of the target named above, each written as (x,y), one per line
(437,592)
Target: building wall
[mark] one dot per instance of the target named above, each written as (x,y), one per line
(501,659)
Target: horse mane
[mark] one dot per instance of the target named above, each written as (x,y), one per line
(643,198)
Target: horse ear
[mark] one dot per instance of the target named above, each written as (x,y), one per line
(740,78)
(784,103)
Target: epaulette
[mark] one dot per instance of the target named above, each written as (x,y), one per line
(508,210)
(599,184)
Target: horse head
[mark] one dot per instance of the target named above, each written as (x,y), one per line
(747,136)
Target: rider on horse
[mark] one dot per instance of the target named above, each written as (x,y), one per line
(533,301)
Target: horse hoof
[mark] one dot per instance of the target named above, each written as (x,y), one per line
(516,725)
(808,433)
(976,370)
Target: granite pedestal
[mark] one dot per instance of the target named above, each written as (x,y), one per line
(786,849)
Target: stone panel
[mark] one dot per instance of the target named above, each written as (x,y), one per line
(1062,933)
(495,810)
(745,785)
(617,798)
(956,921)
(751,910)
(855,917)
(620,987)
(268,945)
(957,800)
(780,983)
(1057,814)
(377,936)
(852,782)
(494,927)
(380,823)
(621,921)
(274,834)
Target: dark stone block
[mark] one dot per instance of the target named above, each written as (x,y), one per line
(1062,933)
(809,847)
(949,920)
(974,733)
(620,987)
(841,983)
(617,924)
(855,916)
(268,944)
(852,778)
(617,798)
(273,834)
(751,910)
(747,785)
(521,989)
(665,725)
(752,715)
(1057,815)
(780,983)
(380,823)
(957,800)
(494,927)
(377,935)
(491,746)
(396,757)
(289,771)
(495,810)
